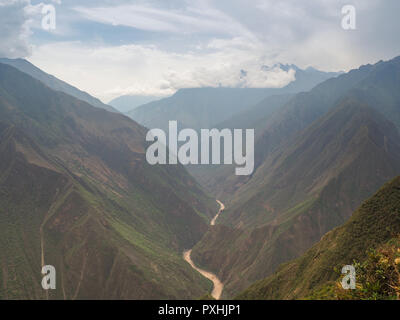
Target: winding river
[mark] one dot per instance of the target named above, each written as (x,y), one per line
(218,285)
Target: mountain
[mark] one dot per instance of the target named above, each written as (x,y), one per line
(320,153)
(54,83)
(220,179)
(373,84)
(308,190)
(224,108)
(76,192)
(375,223)
(255,116)
(197,108)
(129,102)
(306,79)
(204,108)
(328,150)
(370,81)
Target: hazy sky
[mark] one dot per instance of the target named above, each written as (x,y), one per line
(154,47)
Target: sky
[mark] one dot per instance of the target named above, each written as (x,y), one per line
(111,48)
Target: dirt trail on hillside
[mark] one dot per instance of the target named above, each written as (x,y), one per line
(218,285)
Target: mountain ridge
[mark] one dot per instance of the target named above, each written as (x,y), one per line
(308,186)
(54,83)
(375,222)
(203,108)
(77,193)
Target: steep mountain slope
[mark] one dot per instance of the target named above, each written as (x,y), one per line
(376,85)
(76,192)
(256,116)
(197,108)
(381,88)
(207,107)
(373,224)
(221,179)
(317,155)
(373,85)
(54,83)
(302,191)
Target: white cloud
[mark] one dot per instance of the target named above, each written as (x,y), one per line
(17,19)
(108,72)
(194,17)
(183,43)
(14,30)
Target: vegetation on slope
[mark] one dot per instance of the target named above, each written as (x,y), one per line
(313,187)
(335,146)
(378,277)
(76,192)
(371,227)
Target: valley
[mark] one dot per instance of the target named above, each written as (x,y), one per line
(218,286)
(181,156)
(78,192)
(320,155)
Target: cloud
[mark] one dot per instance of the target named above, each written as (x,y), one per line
(191,17)
(112,71)
(17,19)
(14,30)
(306,32)
(154,47)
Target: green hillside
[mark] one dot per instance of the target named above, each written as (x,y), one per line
(76,192)
(372,226)
(375,85)
(221,179)
(312,187)
(312,180)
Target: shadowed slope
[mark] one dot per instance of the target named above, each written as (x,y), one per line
(74,182)
(373,224)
